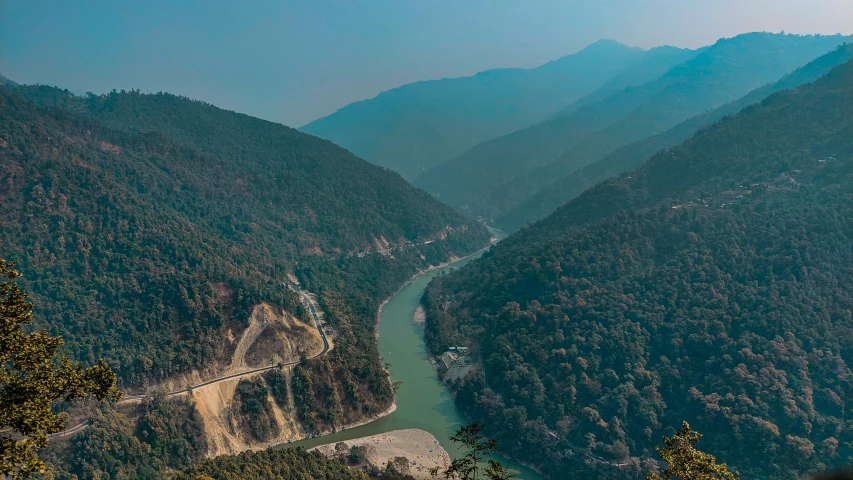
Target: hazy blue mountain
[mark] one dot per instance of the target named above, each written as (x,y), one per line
(469,180)
(496,176)
(6,82)
(630,156)
(655,63)
(420,125)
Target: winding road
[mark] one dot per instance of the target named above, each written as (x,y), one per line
(132,398)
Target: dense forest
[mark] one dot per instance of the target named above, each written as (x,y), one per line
(420,125)
(707,286)
(496,176)
(154,437)
(272,464)
(148,227)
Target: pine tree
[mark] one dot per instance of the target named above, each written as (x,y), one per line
(32,379)
(685,462)
(469,466)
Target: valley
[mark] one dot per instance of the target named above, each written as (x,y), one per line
(422,400)
(530,240)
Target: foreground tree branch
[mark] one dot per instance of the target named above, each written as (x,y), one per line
(32,379)
(685,462)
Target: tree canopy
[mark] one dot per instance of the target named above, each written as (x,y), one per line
(273,464)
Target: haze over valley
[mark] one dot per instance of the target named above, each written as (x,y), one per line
(532,240)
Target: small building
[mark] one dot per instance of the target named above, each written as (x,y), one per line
(448,359)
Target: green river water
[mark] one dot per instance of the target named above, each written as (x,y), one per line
(422,401)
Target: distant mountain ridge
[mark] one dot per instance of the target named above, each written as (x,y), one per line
(6,82)
(655,63)
(632,155)
(416,126)
(496,176)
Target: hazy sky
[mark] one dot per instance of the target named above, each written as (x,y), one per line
(293,61)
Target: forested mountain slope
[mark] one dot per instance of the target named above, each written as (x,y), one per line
(494,177)
(707,286)
(149,226)
(155,436)
(332,200)
(417,126)
(630,156)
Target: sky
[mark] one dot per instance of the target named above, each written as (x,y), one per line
(293,61)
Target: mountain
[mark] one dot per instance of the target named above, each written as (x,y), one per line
(654,63)
(417,126)
(153,230)
(706,286)
(494,177)
(630,156)
(4,82)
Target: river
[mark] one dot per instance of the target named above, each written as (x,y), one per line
(422,400)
